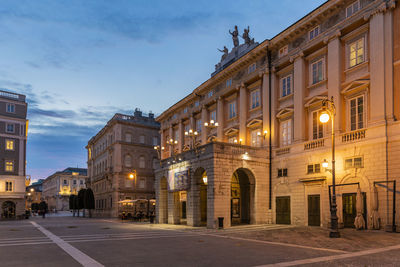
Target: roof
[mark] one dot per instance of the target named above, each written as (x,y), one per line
(70,170)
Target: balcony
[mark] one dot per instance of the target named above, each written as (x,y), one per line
(353,136)
(282,151)
(314,144)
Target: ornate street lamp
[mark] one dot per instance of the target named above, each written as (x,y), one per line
(329,112)
(211,125)
(159,151)
(192,135)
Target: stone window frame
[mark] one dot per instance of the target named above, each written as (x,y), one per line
(283,51)
(7,184)
(258,137)
(352,5)
(8,141)
(142,183)
(258,99)
(228,82)
(311,123)
(232,113)
(142,139)
(315,169)
(10,108)
(8,164)
(323,65)
(252,68)
(284,78)
(142,162)
(126,160)
(281,139)
(311,33)
(348,111)
(13,127)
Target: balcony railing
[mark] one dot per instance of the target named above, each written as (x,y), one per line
(353,136)
(282,151)
(314,144)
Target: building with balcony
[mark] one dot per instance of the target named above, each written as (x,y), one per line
(60,185)
(13,136)
(258,153)
(120,161)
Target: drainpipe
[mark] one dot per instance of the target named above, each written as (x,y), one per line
(269,126)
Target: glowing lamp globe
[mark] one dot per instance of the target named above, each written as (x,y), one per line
(324,117)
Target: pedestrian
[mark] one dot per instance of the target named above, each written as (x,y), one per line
(43,208)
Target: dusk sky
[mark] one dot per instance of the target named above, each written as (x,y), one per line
(79,62)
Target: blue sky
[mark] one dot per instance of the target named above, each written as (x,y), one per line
(79,62)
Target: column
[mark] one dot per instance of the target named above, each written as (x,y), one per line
(180,137)
(243,114)
(220,119)
(204,131)
(162,142)
(377,70)
(389,86)
(333,75)
(265,105)
(299,90)
(171,136)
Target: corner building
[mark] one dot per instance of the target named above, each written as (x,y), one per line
(262,162)
(125,144)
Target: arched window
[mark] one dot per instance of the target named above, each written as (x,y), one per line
(142,162)
(154,163)
(141,139)
(128,161)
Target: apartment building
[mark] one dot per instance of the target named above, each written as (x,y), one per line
(120,161)
(259,146)
(60,185)
(13,135)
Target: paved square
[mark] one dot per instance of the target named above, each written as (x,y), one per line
(68,241)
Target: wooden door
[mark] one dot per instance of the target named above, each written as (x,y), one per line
(349,209)
(314,214)
(283,210)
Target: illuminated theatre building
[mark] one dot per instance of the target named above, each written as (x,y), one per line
(215,143)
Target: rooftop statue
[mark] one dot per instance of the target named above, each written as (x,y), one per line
(235,37)
(246,36)
(225,51)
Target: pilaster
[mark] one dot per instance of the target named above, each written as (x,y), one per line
(243,114)
(333,75)
(204,118)
(299,93)
(220,119)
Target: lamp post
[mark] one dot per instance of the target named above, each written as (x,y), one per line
(329,112)
(192,135)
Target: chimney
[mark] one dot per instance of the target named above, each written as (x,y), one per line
(137,113)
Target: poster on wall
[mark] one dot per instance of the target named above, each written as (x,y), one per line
(235,208)
(178,179)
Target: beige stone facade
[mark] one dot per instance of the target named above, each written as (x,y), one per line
(13,136)
(267,116)
(125,145)
(59,186)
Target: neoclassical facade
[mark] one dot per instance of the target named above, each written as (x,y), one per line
(258,152)
(124,145)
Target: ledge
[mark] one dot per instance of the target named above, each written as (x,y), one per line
(312,179)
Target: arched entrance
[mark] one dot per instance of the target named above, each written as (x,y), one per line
(163,201)
(8,210)
(203,198)
(242,197)
(200,197)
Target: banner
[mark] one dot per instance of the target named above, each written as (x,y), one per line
(178,179)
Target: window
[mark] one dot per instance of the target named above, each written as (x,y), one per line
(128,161)
(185,110)
(313,33)
(74,181)
(176,135)
(255,138)
(232,109)
(356,52)
(317,71)
(255,99)
(81,182)
(283,51)
(213,115)
(197,103)
(10,128)
(9,166)
(198,125)
(9,186)
(65,182)
(210,93)
(187,127)
(286,85)
(141,139)
(229,82)
(128,137)
(9,144)
(313,168)
(317,126)
(252,68)
(357,113)
(355,162)
(286,132)
(174,116)
(352,9)
(142,162)
(10,108)
(155,140)
(142,183)
(282,172)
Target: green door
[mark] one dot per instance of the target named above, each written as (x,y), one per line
(349,209)
(314,216)
(283,210)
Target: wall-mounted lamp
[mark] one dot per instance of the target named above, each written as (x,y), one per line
(212,124)
(205,179)
(264,134)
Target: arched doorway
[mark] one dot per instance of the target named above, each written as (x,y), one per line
(203,198)
(199,194)
(8,210)
(163,201)
(242,197)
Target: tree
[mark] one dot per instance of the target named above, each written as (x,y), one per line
(76,203)
(35,207)
(81,201)
(72,204)
(89,201)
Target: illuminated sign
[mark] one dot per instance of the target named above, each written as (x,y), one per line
(178,179)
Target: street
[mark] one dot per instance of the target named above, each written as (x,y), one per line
(69,241)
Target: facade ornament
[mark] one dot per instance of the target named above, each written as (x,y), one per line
(246,36)
(235,37)
(225,51)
